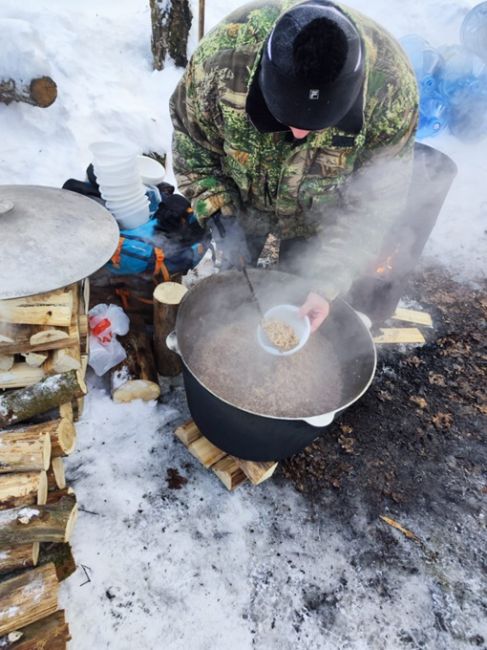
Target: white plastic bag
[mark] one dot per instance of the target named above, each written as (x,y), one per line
(106,322)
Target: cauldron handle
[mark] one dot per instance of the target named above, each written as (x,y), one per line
(172,342)
(320,420)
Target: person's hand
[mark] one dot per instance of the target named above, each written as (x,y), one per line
(230,239)
(316,308)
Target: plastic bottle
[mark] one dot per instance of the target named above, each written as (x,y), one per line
(464,84)
(427,63)
(473,33)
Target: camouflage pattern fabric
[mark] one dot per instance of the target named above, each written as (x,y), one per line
(344,190)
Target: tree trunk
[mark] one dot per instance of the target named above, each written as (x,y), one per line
(62,557)
(171,23)
(136,376)
(20,405)
(50,633)
(40,92)
(49,523)
(26,489)
(167,297)
(28,597)
(18,557)
(24,450)
(201,19)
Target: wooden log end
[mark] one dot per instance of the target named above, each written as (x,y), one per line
(43,91)
(65,438)
(169,293)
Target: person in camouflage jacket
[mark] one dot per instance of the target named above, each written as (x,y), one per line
(340,187)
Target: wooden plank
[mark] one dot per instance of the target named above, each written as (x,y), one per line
(188,433)
(394,335)
(229,472)
(413,316)
(206,452)
(256,472)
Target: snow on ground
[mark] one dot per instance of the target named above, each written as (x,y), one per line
(199,567)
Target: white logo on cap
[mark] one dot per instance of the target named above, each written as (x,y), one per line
(314,93)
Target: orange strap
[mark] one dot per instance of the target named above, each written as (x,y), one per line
(124,295)
(118,253)
(159,266)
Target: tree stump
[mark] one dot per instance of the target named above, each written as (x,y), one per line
(167,297)
(171,22)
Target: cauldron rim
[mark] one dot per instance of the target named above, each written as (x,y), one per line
(190,295)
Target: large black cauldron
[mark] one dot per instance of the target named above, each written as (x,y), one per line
(255,436)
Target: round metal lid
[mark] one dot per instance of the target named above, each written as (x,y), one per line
(50,238)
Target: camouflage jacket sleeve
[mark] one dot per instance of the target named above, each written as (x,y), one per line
(198,146)
(373,198)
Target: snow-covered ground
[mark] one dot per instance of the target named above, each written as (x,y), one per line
(201,568)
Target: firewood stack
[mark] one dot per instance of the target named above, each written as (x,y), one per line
(43,358)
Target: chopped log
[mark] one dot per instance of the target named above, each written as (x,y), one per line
(20,375)
(24,451)
(167,297)
(206,452)
(41,92)
(48,334)
(6,361)
(18,557)
(49,523)
(50,633)
(171,23)
(61,556)
(413,316)
(63,360)
(135,377)
(28,597)
(26,489)
(394,335)
(56,478)
(188,433)
(35,338)
(54,308)
(63,436)
(66,411)
(50,392)
(34,359)
(229,472)
(256,472)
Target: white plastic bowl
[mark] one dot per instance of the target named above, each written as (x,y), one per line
(117,182)
(127,206)
(151,171)
(123,193)
(133,219)
(112,150)
(288,314)
(127,211)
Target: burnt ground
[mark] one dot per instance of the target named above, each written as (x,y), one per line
(413,449)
